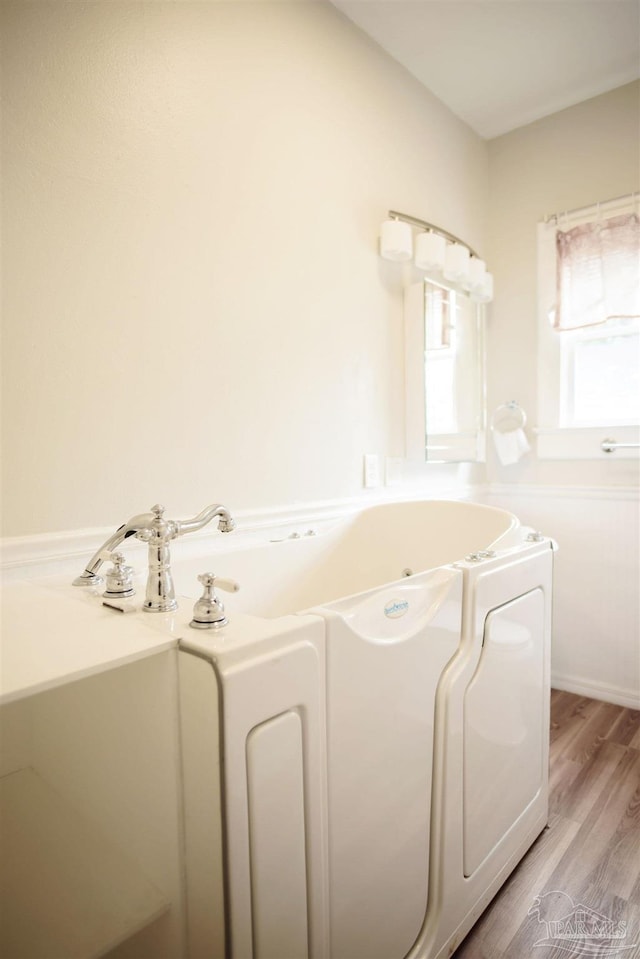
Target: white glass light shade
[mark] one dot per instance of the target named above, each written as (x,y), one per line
(477,273)
(456,263)
(485,293)
(430,251)
(396,240)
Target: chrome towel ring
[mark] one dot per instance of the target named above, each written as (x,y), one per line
(508,417)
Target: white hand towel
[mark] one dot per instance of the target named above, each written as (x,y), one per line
(510,446)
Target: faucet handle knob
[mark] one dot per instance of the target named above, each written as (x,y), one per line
(208,612)
(119,577)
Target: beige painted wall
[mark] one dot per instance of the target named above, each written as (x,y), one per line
(573,158)
(194,306)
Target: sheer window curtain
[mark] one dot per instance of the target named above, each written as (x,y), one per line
(598,272)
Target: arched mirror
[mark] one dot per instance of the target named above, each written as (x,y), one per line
(445,374)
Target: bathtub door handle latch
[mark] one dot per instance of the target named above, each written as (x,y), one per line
(208,612)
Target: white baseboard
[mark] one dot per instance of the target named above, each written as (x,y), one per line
(594,690)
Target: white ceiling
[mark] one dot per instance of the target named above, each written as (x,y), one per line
(499,64)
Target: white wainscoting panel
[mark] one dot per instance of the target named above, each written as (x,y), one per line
(596,627)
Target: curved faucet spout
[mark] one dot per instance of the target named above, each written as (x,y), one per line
(90,575)
(152,529)
(225,524)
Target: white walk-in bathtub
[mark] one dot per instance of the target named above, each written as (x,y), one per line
(365,744)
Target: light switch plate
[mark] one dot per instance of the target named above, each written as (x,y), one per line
(372,477)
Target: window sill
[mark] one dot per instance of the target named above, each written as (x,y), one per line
(585,443)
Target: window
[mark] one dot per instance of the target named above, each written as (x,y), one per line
(589,333)
(600,375)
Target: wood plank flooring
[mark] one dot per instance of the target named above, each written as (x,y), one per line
(590,850)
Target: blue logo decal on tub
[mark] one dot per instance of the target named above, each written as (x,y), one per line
(396,608)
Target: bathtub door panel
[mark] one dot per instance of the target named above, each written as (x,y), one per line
(383,672)
(504,749)
(275,781)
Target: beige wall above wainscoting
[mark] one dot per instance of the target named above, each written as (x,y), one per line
(194,305)
(574,158)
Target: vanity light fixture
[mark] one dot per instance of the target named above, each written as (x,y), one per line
(476,276)
(396,240)
(456,263)
(431,249)
(485,294)
(438,253)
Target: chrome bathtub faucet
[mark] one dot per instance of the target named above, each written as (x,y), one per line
(157,532)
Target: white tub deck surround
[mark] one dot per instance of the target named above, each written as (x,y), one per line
(363,748)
